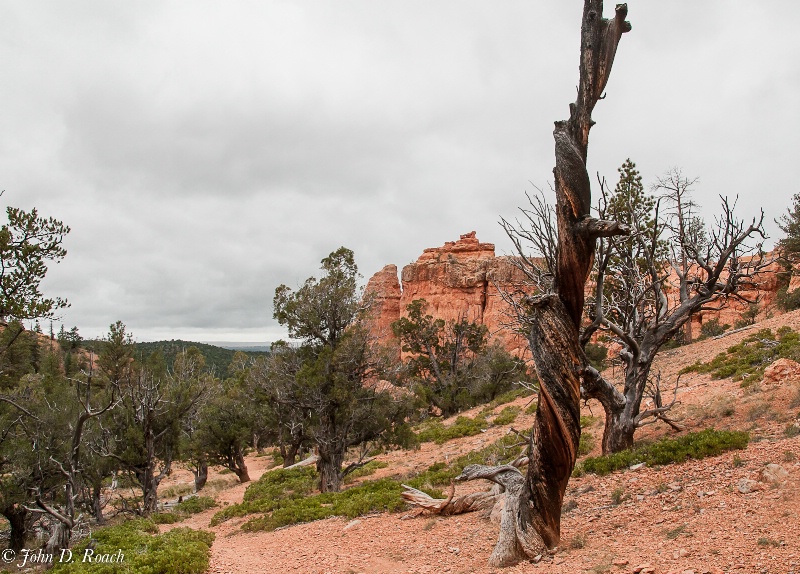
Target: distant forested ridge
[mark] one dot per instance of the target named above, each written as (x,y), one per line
(217,358)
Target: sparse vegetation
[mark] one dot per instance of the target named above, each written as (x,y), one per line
(747,360)
(586,443)
(695,445)
(618,496)
(507,416)
(673,533)
(435,431)
(368,469)
(712,328)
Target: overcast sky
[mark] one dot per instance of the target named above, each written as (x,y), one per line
(205,152)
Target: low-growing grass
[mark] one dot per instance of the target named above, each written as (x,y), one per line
(746,361)
(435,431)
(695,445)
(179,551)
(507,416)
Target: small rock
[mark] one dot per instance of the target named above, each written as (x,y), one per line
(642,569)
(537,558)
(640,497)
(746,486)
(773,473)
(454,549)
(675,486)
(620,562)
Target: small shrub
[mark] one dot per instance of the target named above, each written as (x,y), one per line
(768,543)
(166,518)
(748,317)
(789,456)
(587,421)
(791,431)
(747,360)
(695,445)
(531,408)
(757,411)
(737,461)
(578,541)
(195,505)
(618,496)
(509,396)
(787,301)
(675,532)
(507,416)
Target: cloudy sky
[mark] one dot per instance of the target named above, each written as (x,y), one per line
(205,152)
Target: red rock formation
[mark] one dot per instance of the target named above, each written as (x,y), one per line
(464,279)
(461,279)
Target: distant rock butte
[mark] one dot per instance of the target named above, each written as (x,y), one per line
(464,278)
(461,279)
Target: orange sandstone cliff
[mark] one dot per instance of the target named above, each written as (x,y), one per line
(464,279)
(461,279)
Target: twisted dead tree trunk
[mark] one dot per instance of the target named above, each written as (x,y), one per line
(531,520)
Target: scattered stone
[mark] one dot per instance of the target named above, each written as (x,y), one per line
(773,473)
(620,562)
(746,486)
(643,569)
(675,486)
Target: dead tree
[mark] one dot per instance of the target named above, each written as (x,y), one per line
(641,312)
(531,520)
(64,519)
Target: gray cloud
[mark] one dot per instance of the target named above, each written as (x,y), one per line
(205,154)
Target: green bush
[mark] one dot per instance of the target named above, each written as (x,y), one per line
(435,431)
(696,445)
(283,497)
(195,505)
(167,517)
(179,551)
(507,416)
(747,360)
(264,494)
